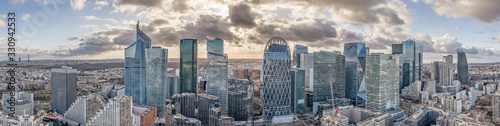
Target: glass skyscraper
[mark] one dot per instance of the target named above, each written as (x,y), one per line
(413,56)
(382,79)
(355,62)
(135,67)
(63,85)
(276,81)
(462,67)
(298,90)
(188,65)
(307,63)
(217,72)
(157,89)
(328,67)
(299,49)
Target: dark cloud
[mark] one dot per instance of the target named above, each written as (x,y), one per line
(180,6)
(242,15)
(159,22)
(144,3)
(486,11)
(72,38)
(207,25)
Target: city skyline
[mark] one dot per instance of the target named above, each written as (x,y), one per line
(81,29)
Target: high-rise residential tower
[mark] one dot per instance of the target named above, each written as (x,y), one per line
(188,66)
(329,67)
(382,73)
(217,72)
(157,89)
(462,67)
(299,49)
(276,81)
(135,67)
(63,85)
(355,62)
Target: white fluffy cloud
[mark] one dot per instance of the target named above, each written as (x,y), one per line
(77,4)
(26,16)
(486,11)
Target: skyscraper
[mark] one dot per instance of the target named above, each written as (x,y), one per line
(307,63)
(135,67)
(299,49)
(188,66)
(157,90)
(448,60)
(205,101)
(496,107)
(462,67)
(435,71)
(412,55)
(63,85)
(217,72)
(276,79)
(240,95)
(355,62)
(382,73)
(329,67)
(298,90)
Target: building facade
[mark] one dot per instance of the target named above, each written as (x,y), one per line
(135,67)
(276,79)
(217,72)
(157,89)
(329,67)
(188,66)
(241,98)
(382,82)
(186,104)
(63,88)
(298,90)
(462,67)
(299,49)
(355,64)
(23,104)
(205,101)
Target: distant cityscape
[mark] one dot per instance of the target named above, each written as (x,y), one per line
(289,86)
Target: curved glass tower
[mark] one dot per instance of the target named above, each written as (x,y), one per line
(462,67)
(276,82)
(135,67)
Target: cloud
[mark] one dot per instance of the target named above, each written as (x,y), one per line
(496,39)
(77,4)
(99,4)
(94,18)
(144,3)
(26,17)
(486,11)
(3,17)
(15,2)
(242,15)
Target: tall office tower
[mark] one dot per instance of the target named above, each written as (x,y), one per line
(382,73)
(117,112)
(462,67)
(298,90)
(63,85)
(276,79)
(418,63)
(299,49)
(406,76)
(135,67)
(23,103)
(445,75)
(329,67)
(355,62)
(189,66)
(412,55)
(496,107)
(435,70)
(186,103)
(217,72)
(307,63)
(205,101)
(88,105)
(157,89)
(448,60)
(241,98)
(253,75)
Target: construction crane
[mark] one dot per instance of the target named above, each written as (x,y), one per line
(335,115)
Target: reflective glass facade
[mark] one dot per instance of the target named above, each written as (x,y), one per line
(307,63)
(276,83)
(299,49)
(157,90)
(135,68)
(382,79)
(188,65)
(328,67)
(355,56)
(217,72)
(462,67)
(298,90)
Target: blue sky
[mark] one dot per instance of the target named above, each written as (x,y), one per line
(100,29)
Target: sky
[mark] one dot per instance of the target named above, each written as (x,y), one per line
(101,29)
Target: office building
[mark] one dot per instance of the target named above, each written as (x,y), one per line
(496,107)
(253,75)
(217,72)
(276,81)
(298,90)
(448,60)
(188,66)
(435,70)
(135,67)
(241,98)
(299,49)
(411,55)
(144,115)
(88,105)
(23,104)
(63,88)
(205,101)
(185,102)
(462,67)
(157,90)
(445,75)
(355,62)
(214,115)
(307,63)
(329,67)
(175,87)
(382,82)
